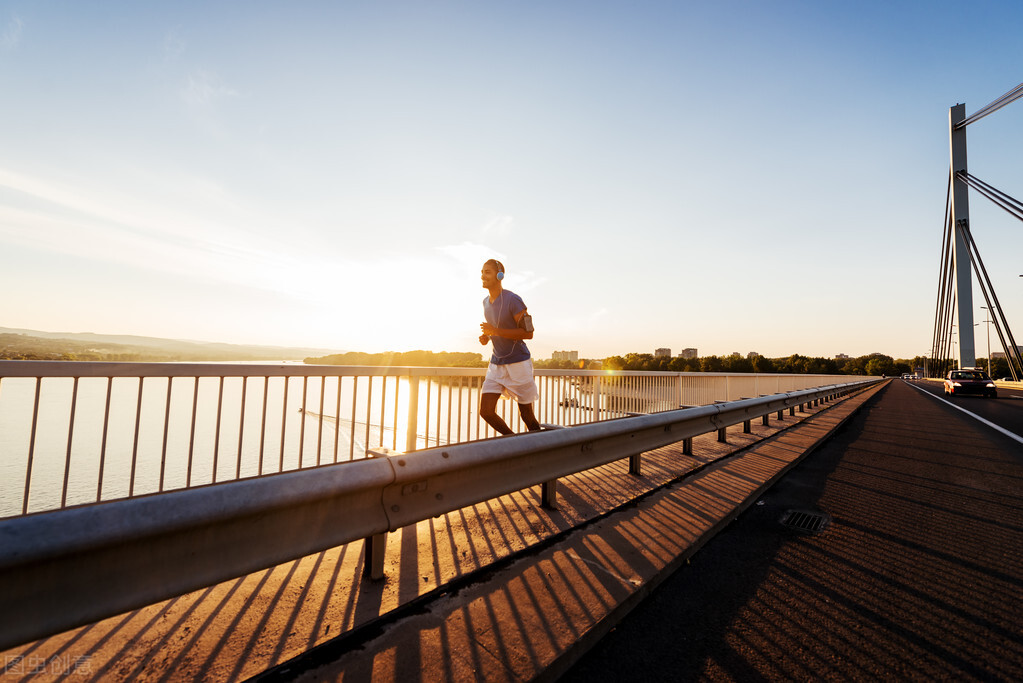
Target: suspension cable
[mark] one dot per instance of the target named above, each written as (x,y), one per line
(941,308)
(982,281)
(991,108)
(1012,352)
(1010,205)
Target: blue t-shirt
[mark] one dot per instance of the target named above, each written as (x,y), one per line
(501,314)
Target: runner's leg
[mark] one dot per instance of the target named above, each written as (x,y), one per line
(526,411)
(488,411)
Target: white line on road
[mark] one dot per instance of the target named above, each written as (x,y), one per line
(1003,430)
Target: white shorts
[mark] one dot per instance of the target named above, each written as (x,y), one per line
(514,380)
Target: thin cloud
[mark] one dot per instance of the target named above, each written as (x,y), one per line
(173,45)
(63,219)
(498,226)
(469,256)
(203,88)
(10,38)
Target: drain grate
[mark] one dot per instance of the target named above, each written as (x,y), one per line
(805,520)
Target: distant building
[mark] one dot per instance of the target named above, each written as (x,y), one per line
(841,356)
(1001,354)
(566,355)
(689,353)
(662,353)
(751,355)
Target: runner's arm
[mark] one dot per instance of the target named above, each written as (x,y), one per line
(508,333)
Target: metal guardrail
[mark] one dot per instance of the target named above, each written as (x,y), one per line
(75,433)
(71,567)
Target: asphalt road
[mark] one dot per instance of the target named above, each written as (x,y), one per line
(917,574)
(1006,411)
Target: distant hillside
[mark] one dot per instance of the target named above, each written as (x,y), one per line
(20,344)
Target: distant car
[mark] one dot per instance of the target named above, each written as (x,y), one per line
(962,382)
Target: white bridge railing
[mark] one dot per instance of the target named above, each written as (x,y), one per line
(75,433)
(69,567)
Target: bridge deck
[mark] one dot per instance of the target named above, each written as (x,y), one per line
(918,577)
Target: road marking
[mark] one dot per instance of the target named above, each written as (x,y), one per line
(1003,430)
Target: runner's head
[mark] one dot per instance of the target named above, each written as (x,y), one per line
(492,273)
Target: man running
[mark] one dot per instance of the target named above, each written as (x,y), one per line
(510,372)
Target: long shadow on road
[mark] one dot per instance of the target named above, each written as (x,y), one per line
(917,575)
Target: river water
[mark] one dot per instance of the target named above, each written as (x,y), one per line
(151,439)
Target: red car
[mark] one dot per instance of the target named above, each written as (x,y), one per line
(966,381)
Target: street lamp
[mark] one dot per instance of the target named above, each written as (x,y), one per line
(974,335)
(989,321)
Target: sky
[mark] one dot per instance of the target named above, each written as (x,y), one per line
(728,176)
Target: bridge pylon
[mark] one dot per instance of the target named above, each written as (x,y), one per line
(961,225)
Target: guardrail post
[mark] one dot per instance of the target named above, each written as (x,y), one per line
(747,427)
(721,436)
(549,494)
(375,547)
(792,411)
(636,464)
(766,420)
(781,414)
(687,446)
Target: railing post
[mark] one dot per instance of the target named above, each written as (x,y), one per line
(636,464)
(721,436)
(412,422)
(687,446)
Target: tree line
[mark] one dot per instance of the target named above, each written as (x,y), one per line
(26,347)
(875,364)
